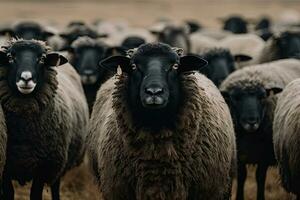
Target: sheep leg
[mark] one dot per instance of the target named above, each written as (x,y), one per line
(261,172)
(8,189)
(242,175)
(55,190)
(36,192)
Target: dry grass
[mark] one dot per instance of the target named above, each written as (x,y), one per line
(78,184)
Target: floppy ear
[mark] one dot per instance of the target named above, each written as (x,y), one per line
(191,63)
(112,63)
(54,59)
(3,58)
(273,90)
(242,58)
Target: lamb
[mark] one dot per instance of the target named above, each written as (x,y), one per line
(250,94)
(220,64)
(283,45)
(167,136)
(84,54)
(46,116)
(247,44)
(286,137)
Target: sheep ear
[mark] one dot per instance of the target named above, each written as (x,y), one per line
(242,58)
(273,91)
(3,58)
(54,59)
(112,63)
(191,63)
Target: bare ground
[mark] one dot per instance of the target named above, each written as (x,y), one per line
(78,184)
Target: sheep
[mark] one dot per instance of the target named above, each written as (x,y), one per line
(220,64)
(46,116)
(250,94)
(247,44)
(283,45)
(146,143)
(84,54)
(286,136)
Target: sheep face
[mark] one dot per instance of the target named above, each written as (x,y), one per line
(174,36)
(25,61)
(153,78)
(289,45)
(235,25)
(248,106)
(85,60)
(221,64)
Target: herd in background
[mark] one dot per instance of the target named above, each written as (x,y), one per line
(157,128)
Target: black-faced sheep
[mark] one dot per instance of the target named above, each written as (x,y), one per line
(281,46)
(161,131)
(85,54)
(286,137)
(46,116)
(220,64)
(250,95)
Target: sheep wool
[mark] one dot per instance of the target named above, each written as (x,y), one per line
(194,159)
(286,136)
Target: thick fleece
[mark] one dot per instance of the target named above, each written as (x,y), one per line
(46,130)
(286,136)
(194,160)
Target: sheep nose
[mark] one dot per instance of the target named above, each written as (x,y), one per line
(88,72)
(252,120)
(154,90)
(26,76)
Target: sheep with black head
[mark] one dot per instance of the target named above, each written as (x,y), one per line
(161,130)
(46,116)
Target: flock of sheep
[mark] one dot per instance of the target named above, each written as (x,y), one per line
(173,111)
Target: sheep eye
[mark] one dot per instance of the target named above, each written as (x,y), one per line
(133,66)
(10,58)
(175,66)
(42,59)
